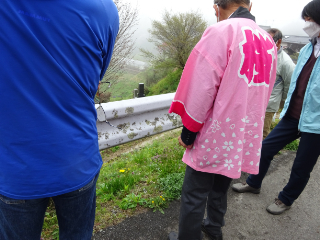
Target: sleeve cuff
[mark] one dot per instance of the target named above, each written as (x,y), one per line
(187,136)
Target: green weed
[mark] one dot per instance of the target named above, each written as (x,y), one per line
(117,182)
(293,146)
(172,185)
(50,224)
(168,84)
(114,149)
(157,203)
(149,177)
(131,201)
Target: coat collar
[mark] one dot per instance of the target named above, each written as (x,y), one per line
(314,41)
(242,12)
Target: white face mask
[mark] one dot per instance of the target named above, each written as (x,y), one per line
(312,29)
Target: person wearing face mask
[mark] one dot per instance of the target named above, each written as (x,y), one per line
(222,98)
(279,93)
(300,119)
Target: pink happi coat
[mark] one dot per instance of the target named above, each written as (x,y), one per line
(223,95)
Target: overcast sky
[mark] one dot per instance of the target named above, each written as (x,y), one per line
(282,14)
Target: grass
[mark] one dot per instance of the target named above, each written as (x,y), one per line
(115,149)
(293,146)
(50,225)
(123,89)
(148,178)
(169,84)
(134,178)
(159,82)
(130,183)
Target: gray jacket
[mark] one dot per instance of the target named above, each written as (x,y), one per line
(285,68)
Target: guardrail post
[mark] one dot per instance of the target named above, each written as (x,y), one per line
(135,93)
(141,90)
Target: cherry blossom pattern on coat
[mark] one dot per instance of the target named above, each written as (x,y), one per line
(224,97)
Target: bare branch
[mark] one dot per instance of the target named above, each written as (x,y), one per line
(124,44)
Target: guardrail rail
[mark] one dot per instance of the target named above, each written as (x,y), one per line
(137,118)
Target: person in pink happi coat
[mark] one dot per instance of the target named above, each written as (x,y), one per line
(222,98)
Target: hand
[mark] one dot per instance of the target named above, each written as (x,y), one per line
(181,143)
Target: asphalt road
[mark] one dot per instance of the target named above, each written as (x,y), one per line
(246,218)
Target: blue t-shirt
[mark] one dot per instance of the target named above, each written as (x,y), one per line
(52,56)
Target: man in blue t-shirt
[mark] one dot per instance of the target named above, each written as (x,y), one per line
(52,56)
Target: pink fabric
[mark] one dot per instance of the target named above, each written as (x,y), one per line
(223,94)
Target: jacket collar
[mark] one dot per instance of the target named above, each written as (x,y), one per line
(313,41)
(242,12)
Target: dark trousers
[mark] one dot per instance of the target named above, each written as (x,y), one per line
(23,219)
(307,155)
(199,189)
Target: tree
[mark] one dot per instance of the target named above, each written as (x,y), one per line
(174,37)
(124,44)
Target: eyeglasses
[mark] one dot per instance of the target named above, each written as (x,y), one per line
(101,114)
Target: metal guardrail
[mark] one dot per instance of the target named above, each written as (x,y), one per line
(137,118)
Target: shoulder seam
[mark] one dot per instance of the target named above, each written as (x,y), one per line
(220,72)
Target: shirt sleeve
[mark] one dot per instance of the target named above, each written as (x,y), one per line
(196,92)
